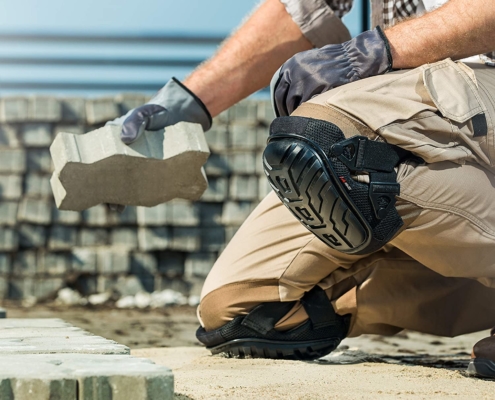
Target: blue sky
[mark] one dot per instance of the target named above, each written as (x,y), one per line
(124,17)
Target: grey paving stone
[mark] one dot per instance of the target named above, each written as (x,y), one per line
(10,187)
(152,216)
(143,264)
(73,109)
(230,231)
(127,217)
(96,216)
(92,237)
(185,239)
(99,159)
(36,135)
(25,264)
(5,264)
(41,108)
(47,288)
(54,264)
(210,214)
(4,288)
(217,165)
(9,240)
(35,211)
(153,238)
(199,264)
(264,188)
(12,161)
(31,236)
(84,377)
(111,261)
(217,190)
(65,217)
(259,164)
(244,188)
(217,138)
(75,129)
(84,260)
(243,137)
(265,112)
(235,213)
(86,285)
(243,163)
(182,213)
(8,213)
(3,311)
(21,288)
(37,186)
(62,237)
(213,238)
(124,238)
(101,110)
(128,101)
(245,111)
(39,160)
(221,119)
(8,136)
(171,264)
(13,109)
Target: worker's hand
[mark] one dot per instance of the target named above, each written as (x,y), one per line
(173,103)
(312,72)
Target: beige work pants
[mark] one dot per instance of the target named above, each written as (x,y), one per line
(438,274)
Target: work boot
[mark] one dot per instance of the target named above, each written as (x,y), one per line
(483,358)
(254,335)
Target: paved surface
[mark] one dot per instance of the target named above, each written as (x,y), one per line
(98,168)
(51,359)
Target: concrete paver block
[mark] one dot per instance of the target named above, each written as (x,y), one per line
(101,110)
(13,109)
(62,237)
(42,108)
(36,135)
(12,160)
(73,109)
(92,237)
(8,136)
(98,168)
(35,211)
(3,313)
(37,186)
(156,238)
(9,240)
(244,187)
(31,235)
(152,216)
(39,160)
(8,213)
(217,189)
(10,187)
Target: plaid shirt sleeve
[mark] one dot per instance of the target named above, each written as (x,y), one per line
(395,11)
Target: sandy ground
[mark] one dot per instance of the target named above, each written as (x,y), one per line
(406,366)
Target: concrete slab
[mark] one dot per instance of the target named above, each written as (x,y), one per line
(50,336)
(46,359)
(98,168)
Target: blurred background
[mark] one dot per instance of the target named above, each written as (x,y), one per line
(102,47)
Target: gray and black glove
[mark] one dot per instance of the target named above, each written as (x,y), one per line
(173,103)
(313,72)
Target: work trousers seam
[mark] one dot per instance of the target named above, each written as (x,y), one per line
(449,209)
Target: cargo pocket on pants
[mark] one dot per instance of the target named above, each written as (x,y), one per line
(454,91)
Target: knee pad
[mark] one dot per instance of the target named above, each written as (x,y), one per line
(253,335)
(309,164)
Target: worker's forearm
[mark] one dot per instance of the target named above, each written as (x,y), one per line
(247,60)
(460,28)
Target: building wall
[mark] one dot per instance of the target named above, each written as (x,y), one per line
(173,245)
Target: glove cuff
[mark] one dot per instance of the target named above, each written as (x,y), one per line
(199,101)
(387,48)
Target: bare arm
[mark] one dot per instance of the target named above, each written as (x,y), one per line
(246,61)
(460,28)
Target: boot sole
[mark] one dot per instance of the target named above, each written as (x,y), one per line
(301,176)
(260,348)
(481,367)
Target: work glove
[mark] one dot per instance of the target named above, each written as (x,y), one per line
(173,103)
(313,72)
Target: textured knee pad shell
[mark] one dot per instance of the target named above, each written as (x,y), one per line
(309,164)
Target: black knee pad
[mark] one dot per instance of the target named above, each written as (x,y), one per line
(309,164)
(253,335)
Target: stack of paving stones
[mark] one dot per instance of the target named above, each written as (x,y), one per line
(47,359)
(171,246)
